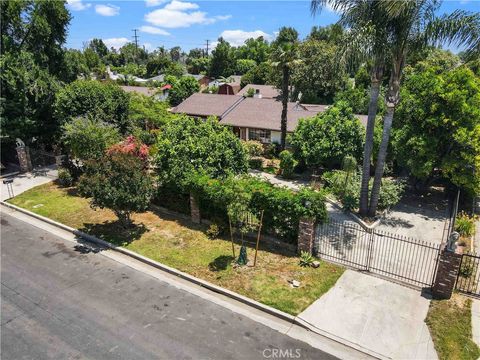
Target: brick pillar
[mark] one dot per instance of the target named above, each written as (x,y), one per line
(194,209)
(24,158)
(446,276)
(306,235)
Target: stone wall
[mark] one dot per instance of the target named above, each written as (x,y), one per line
(195,210)
(24,160)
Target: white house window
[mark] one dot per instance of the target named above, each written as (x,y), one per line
(261,135)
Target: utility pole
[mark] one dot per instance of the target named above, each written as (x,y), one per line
(207,45)
(135,37)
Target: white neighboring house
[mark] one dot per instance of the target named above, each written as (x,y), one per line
(114,76)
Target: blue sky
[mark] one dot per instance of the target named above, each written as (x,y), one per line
(189,23)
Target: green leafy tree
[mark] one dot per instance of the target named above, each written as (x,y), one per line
(87,139)
(223,60)
(187,146)
(326,139)
(28,94)
(320,75)
(119,182)
(105,102)
(333,33)
(257,50)
(259,75)
(244,65)
(74,65)
(181,88)
(157,65)
(174,69)
(198,65)
(176,53)
(147,113)
(438,125)
(287,163)
(92,59)
(99,47)
(284,57)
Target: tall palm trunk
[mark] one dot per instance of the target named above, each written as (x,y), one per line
(392,99)
(283,124)
(377,75)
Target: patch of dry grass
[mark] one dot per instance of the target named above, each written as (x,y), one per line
(183,245)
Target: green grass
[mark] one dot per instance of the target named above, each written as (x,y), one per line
(183,245)
(450,324)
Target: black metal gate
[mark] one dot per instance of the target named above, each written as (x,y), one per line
(468,278)
(401,258)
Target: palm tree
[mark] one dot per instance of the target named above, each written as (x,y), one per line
(285,57)
(413,25)
(365,40)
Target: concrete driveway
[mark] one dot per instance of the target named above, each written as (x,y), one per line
(26,181)
(382,317)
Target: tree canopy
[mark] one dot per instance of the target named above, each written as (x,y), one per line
(327,138)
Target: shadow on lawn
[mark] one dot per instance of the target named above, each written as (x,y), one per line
(114,232)
(220,263)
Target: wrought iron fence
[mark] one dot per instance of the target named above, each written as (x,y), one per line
(402,258)
(468,278)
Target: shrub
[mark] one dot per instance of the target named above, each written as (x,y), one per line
(256,163)
(87,139)
(64,177)
(213,231)
(287,163)
(187,146)
(253,148)
(120,182)
(465,225)
(306,259)
(347,189)
(282,207)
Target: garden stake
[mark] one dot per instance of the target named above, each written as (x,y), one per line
(258,238)
(231,237)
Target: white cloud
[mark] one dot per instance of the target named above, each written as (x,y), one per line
(178,14)
(78,5)
(107,10)
(238,37)
(116,43)
(154,2)
(181,6)
(153,30)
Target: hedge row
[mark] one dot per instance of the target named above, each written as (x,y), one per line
(282,207)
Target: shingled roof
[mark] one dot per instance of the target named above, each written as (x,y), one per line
(265,114)
(267,91)
(206,104)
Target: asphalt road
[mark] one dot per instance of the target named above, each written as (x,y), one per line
(60,303)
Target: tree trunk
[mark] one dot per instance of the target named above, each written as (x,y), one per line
(377,75)
(283,125)
(392,99)
(124,217)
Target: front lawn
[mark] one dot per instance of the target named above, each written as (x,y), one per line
(181,244)
(450,324)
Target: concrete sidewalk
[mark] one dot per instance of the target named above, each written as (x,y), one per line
(375,314)
(476,321)
(26,181)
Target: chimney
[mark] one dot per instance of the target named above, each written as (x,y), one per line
(257,94)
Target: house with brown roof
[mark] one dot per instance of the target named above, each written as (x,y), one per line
(250,118)
(261,91)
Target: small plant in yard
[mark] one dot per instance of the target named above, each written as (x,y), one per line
(213,231)
(306,259)
(287,163)
(254,148)
(256,163)
(465,224)
(64,177)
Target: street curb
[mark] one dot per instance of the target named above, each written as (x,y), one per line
(280,314)
(217,289)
